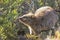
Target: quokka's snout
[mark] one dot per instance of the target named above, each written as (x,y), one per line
(23,18)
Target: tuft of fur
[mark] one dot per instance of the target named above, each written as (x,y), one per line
(43,19)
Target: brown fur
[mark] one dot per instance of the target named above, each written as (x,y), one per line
(43,19)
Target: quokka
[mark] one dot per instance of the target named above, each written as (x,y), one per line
(44,18)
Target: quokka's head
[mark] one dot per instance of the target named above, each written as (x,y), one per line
(27,18)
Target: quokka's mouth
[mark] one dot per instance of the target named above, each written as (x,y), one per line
(20,19)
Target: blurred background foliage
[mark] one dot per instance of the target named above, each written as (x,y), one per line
(11,9)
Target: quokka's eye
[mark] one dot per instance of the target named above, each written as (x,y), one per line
(30,16)
(33,17)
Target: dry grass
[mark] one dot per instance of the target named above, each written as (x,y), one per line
(55,37)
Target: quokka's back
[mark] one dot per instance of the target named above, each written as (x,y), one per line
(46,17)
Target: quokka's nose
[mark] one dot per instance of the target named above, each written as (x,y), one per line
(20,17)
